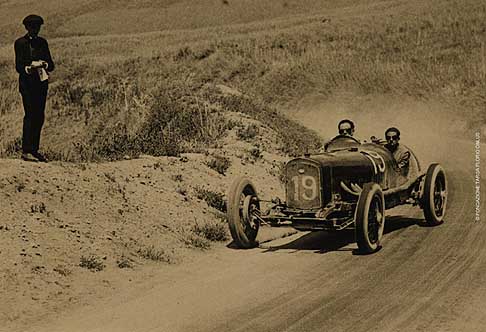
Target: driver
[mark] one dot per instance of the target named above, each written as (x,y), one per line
(400,153)
(345,128)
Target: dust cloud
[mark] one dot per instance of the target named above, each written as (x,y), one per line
(430,128)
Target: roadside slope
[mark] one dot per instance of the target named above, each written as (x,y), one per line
(71,233)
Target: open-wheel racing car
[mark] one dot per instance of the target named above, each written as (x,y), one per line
(347,187)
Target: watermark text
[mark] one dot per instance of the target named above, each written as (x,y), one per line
(477,176)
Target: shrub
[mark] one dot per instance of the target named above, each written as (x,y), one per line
(213,231)
(177,177)
(155,254)
(212,198)
(14,147)
(38,208)
(195,240)
(255,153)
(247,133)
(62,270)
(295,138)
(91,263)
(124,263)
(219,163)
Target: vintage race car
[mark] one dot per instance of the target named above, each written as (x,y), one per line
(348,186)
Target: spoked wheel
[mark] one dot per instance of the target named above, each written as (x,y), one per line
(243,212)
(370,218)
(434,198)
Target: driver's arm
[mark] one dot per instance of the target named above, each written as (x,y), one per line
(404,159)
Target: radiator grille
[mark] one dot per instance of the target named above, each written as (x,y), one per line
(303,185)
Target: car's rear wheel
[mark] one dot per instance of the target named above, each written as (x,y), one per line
(434,199)
(370,218)
(243,213)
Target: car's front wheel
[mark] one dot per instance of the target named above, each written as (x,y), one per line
(434,199)
(370,218)
(243,213)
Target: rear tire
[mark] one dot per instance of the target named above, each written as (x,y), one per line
(243,205)
(370,218)
(434,199)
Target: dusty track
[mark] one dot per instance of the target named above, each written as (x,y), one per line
(424,279)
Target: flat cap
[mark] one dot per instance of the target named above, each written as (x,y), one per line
(33,19)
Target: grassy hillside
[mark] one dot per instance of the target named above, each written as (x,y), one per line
(125,93)
(96,17)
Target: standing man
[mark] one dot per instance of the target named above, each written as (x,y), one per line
(32,62)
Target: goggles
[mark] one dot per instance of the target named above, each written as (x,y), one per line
(343,131)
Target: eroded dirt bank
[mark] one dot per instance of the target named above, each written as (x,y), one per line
(72,233)
(423,279)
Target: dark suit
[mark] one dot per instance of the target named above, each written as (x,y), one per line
(33,91)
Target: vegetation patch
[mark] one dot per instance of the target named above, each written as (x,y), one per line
(195,240)
(62,270)
(247,133)
(212,198)
(92,263)
(216,231)
(156,254)
(124,263)
(219,163)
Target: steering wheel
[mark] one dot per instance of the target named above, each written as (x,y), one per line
(343,139)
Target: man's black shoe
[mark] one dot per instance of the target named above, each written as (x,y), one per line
(39,157)
(28,157)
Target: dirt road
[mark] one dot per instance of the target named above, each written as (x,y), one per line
(424,279)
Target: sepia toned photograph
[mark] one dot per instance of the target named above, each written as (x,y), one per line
(242,166)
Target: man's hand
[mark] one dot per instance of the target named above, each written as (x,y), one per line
(404,160)
(38,64)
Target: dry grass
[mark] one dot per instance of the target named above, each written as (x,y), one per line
(216,231)
(155,93)
(92,263)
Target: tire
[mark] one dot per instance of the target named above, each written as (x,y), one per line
(369,218)
(434,198)
(243,204)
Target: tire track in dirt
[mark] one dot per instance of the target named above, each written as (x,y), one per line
(422,280)
(402,309)
(337,302)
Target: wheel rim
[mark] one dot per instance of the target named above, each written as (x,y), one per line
(375,220)
(248,208)
(249,212)
(439,195)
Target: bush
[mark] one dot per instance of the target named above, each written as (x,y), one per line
(91,263)
(124,263)
(62,270)
(155,254)
(195,240)
(14,147)
(177,178)
(295,138)
(247,133)
(219,163)
(255,153)
(212,198)
(213,231)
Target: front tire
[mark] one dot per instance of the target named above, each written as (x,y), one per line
(370,218)
(434,199)
(243,208)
